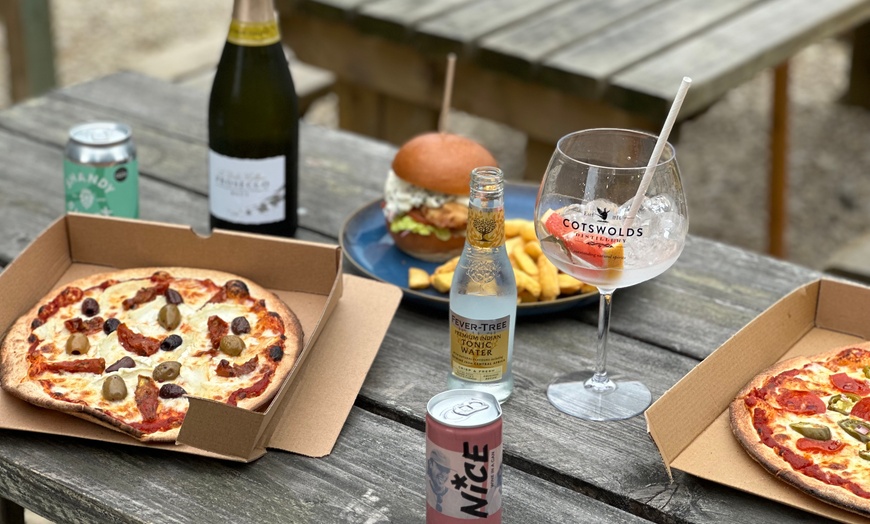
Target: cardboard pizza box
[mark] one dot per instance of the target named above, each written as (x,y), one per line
(816,317)
(344,319)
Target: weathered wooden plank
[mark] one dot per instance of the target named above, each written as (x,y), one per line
(395,18)
(585,67)
(351,485)
(730,54)
(460,29)
(520,48)
(339,9)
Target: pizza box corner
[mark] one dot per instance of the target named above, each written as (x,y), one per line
(334,309)
(689,423)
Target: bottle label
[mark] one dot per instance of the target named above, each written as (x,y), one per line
(246,191)
(485,227)
(252,34)
(479,348)
(107,190)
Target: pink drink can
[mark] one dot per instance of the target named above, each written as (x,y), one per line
(463,457)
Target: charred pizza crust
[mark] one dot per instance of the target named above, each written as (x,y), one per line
(14,365)
(773,459)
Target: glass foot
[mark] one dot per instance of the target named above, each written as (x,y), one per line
(577,395)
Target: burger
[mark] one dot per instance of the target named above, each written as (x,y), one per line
(426,194)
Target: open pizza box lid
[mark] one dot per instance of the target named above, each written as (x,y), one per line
(817,317)
(344,319)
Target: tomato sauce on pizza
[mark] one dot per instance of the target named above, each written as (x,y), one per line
(126,348)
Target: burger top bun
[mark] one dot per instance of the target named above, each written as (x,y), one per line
(441,162)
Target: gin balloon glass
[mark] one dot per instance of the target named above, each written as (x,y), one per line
(592,226)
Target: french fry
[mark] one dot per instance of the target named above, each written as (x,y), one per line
(569,285)
(448,266)
(511,243)
(513,226)
(528,231)
(526,282)
(533,249)
(418,278)
(525,296)
(524,261)
(548,276)
(442,281)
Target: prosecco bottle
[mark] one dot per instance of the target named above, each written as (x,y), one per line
(253,128)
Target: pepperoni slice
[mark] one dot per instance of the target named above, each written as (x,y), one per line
(820,446)
(861,409)
(801,402)
(847,384)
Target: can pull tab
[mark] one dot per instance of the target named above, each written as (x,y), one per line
(464,409)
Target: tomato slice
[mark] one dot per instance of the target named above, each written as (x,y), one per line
(819,446)
(801,402)
(861,409)
(847,384)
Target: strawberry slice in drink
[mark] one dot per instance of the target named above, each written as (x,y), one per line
(596,250)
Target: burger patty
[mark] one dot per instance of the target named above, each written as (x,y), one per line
(449,216)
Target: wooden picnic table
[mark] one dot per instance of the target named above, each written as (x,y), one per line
(559,469)
(550,67)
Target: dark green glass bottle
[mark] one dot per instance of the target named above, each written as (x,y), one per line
(253,128)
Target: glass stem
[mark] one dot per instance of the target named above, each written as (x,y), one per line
(600,381)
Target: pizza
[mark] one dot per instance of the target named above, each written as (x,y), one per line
(807,421)
(125,348)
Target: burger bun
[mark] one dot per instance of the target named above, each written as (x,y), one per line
(441,162)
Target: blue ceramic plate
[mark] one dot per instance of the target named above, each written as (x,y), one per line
(369,247)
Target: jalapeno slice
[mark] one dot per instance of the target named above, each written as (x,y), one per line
(812,431)
(856,428)
(843,402)
(864,454)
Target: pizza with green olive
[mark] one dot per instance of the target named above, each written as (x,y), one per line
(807,421)
(126,348)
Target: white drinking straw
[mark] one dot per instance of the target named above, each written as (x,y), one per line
(657,151)
(448,92)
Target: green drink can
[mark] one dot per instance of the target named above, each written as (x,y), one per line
(100,171)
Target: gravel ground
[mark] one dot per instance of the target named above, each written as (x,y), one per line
(723,153)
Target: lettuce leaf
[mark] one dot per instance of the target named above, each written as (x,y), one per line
(406,223)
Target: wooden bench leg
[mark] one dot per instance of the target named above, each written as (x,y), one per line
(778,203)
(859,75)
(10,512)
(538,155)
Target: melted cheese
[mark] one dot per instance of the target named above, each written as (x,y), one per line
(197,374)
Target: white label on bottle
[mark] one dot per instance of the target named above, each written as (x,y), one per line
(246,191)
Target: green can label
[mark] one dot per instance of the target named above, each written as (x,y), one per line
(108,190)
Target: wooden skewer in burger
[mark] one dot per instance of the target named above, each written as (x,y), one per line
(426,192)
